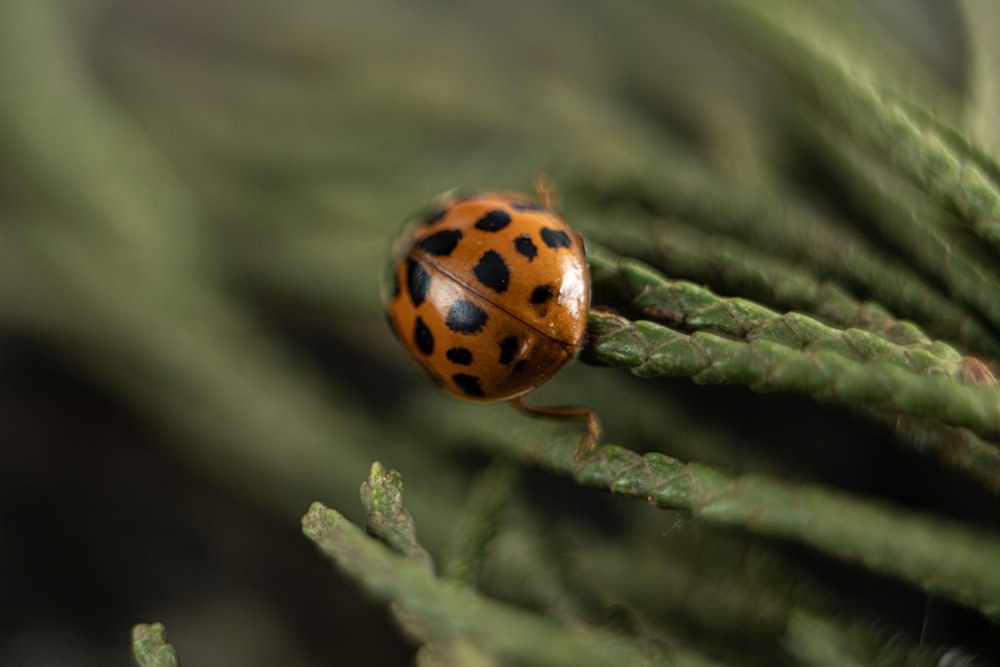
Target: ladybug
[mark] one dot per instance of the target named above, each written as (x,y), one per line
(489,294)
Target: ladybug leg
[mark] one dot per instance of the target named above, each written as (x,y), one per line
(589,441)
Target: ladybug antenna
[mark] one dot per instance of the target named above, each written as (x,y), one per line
(545,190)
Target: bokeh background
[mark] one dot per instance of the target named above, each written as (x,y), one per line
(196,201)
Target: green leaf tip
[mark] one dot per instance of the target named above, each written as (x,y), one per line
(320,520)
(382,497)
(382,493)
(150,647)
(613,342)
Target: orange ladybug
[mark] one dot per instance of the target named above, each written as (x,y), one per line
(489,295)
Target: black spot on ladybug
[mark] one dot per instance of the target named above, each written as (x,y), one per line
(541,294)
(556,238)
(524,246)
(459,355)
(418,281)
(492,272)
(423,337)
(434,215)
(468,383)
(528,205)
(508,350)
(493,221)
(440,244)
(465,317)
(520,366)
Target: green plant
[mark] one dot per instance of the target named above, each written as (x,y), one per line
(786,203)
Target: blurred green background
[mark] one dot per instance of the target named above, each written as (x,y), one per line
(196,201)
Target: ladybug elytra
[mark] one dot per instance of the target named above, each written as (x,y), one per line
(489,295)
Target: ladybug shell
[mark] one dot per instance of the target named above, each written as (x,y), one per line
(489,294)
